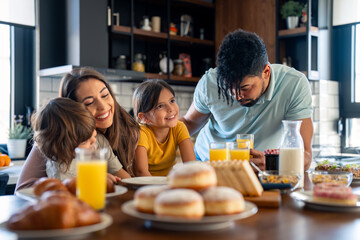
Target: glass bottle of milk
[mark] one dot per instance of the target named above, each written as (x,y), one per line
(291,157)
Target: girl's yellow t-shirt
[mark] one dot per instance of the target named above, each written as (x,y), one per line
(162,156)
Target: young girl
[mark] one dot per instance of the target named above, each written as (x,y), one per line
(157,111)
(60,127)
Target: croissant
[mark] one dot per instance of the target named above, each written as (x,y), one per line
(47,184)
(54,210)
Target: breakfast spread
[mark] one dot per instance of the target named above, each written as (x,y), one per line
(181,203)
(334,167)
(185,202)
(193,175)
(334,193)
(238,175)
(144,197)
(328,178)
(285,179)
(49,184)
(54,210)
(223,200)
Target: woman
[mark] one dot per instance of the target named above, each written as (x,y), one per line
(89,87)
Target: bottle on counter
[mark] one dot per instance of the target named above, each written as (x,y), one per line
(291,156)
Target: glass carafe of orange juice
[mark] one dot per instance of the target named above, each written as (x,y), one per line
(91,176)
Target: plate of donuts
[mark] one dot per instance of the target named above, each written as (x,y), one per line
(142,181)
(205,223)
(106,221)
(28,193)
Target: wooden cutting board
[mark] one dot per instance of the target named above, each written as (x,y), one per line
(271,199)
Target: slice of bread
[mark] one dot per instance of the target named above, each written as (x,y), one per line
(238,175)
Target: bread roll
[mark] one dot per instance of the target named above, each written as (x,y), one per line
(193,175)
(144,197)
(48,184)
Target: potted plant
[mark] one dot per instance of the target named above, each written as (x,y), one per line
(291,11)
(18,136)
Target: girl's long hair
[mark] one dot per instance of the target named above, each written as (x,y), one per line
(123,134)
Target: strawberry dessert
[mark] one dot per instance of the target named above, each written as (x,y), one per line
(334,193)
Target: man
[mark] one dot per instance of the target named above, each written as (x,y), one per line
(247,94)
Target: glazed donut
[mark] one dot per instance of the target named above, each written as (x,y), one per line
(193,175)
(334,193)
(223,201)
(144,197)
(48,184)
(180,203)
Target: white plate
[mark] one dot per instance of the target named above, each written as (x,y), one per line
(106,220)
(307,198)
(204,224)
(28,193)
(141,181)
(10,165)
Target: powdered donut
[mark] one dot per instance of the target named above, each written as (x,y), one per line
(222,201)
(180,203)
(334,193)
(144,197)
(194,175)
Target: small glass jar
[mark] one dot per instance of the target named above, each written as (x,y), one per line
(138,64)
(179,67)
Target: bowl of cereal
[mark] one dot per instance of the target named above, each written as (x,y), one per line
(344,178)
(283,180)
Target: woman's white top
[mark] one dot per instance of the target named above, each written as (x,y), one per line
(54,170)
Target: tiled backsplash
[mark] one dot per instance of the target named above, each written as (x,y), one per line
(49,88)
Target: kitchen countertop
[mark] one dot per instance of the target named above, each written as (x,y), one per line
(14,171)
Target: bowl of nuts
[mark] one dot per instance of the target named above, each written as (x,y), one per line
(344,178)
(283,180)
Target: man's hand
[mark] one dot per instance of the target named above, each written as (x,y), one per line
(258,158)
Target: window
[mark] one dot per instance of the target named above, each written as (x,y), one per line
(357,64)
(4,81)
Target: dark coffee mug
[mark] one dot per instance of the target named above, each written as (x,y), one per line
(272,161)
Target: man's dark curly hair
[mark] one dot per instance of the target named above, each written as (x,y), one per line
(240,54)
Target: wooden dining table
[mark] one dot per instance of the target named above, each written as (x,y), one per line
(292,220)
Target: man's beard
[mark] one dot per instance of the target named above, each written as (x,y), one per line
(252,102)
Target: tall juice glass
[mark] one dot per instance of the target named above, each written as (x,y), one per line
(239,151)
(91,176)
(219,151)
(241,138)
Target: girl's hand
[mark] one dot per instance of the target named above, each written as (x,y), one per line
(258,158)
(113,179)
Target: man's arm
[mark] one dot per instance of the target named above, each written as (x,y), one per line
(306,131)
(194,120)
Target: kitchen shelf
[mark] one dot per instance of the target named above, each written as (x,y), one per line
(129,39)
(172,77)
(300,31)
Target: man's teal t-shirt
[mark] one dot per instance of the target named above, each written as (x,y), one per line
(288,97)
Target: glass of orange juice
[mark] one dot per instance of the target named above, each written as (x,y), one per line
(91,177)
(239,151)
(240,138)
(219,151)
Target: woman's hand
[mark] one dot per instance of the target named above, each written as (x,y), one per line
(258,158)
(113,179)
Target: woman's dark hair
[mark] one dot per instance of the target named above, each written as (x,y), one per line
(146,95)
(123,134)
(61,126)
(240,54)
